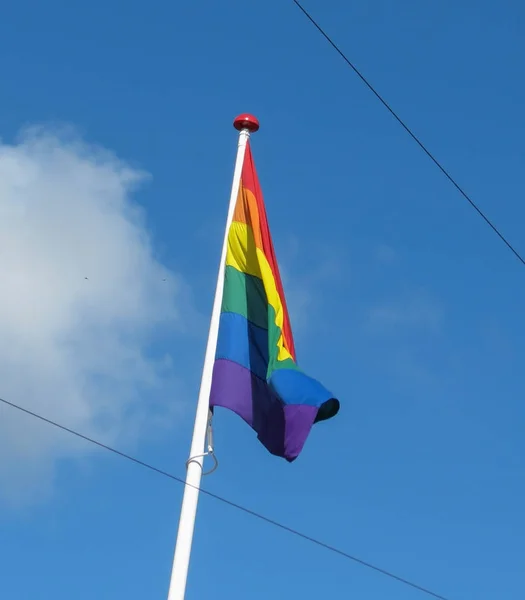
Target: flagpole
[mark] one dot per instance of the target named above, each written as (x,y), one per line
(245,124)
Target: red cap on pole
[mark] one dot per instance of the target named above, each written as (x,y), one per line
(246,121)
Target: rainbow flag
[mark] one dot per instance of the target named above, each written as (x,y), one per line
(255,372)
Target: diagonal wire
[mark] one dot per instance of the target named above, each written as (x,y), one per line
(410,132)
(244,509)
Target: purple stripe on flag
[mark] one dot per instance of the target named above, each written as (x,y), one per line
(283,429)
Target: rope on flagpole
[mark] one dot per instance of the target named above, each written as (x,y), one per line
(210,451)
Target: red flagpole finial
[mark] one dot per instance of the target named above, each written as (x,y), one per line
(246,121)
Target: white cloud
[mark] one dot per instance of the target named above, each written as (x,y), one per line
(386,255)
(415,311)
(305,273)
(404,331)
(74,349)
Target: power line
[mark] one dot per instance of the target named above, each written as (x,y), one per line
(410,132)
(229,502)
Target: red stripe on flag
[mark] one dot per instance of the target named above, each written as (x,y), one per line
(250,181)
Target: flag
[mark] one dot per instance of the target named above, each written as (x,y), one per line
(255,373)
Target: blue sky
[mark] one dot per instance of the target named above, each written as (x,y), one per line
(403,301)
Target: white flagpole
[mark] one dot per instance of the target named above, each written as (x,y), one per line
(245,124)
